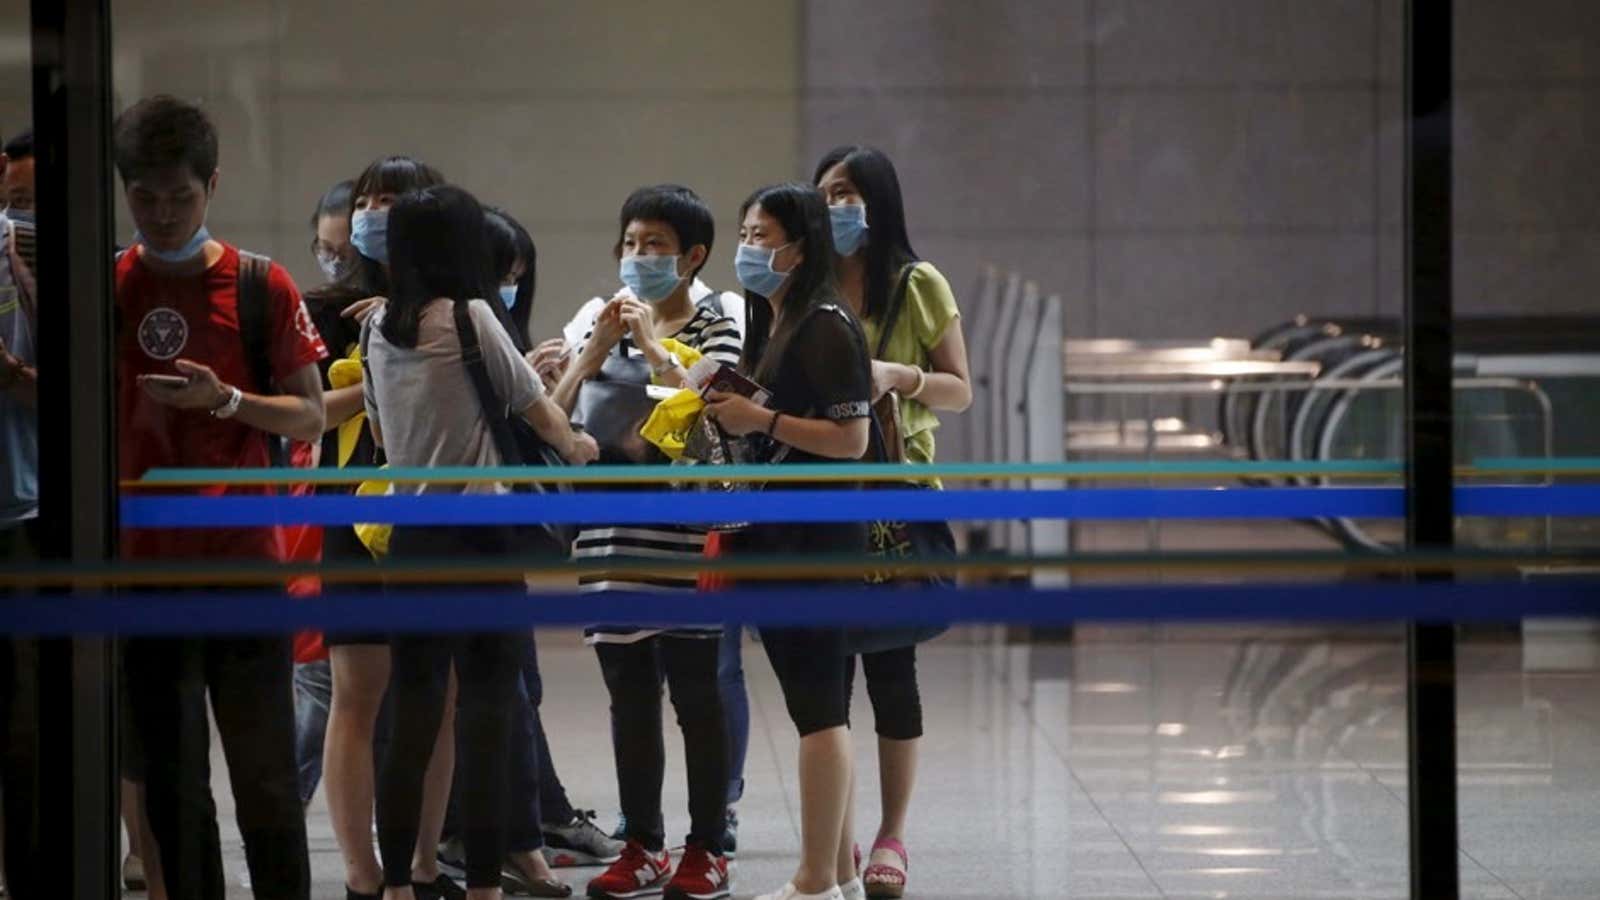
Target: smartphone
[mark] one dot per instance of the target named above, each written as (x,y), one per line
(167,381)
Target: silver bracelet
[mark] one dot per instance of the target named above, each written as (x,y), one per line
(229,406)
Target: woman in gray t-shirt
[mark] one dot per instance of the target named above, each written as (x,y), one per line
(424,411)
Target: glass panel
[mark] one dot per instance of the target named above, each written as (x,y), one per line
(1525,230)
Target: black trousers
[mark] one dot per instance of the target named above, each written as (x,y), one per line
(534,794)
(633,674)
(488,669)
(811,665)
(892,688)
(811,662)
(250,682)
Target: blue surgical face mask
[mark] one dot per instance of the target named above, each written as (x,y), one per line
(333,265)
(849,227)
(508,296)
(753,267)
(183,254)
(369,232)
(651,278)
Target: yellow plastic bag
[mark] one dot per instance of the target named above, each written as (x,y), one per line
(686,355)
(345,373)
(669,423)
(375,536)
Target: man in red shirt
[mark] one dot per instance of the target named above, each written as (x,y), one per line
(188,395)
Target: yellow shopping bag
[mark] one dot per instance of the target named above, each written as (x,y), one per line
(375,536)
(345,373)
(686,355)
(669,423)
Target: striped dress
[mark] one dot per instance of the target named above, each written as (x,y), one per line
(718,336)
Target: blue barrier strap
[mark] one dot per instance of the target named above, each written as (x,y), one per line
(644,507)
(1528,500)
(773,505)
(443,608)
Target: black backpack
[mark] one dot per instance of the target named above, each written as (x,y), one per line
(255,329)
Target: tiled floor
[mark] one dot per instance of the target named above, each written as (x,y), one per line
(1158,762)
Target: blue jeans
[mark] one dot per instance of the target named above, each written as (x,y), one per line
(313,695)
(736,706)
(554,808)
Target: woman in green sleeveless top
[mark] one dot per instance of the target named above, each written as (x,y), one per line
(923,360)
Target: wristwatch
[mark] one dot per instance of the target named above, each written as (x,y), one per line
(230,405)
(661,370)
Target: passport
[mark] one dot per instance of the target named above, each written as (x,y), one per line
(710,375)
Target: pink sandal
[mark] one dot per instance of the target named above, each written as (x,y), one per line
(886,881)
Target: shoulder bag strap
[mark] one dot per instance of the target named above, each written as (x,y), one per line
(713,302)
(495,411)
(891,317)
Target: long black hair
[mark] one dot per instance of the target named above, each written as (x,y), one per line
(365,277)
(888,246)
(800,209)
(509,242)
(438,247)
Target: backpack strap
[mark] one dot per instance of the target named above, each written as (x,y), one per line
(255,331)
(255,318)
(22,278)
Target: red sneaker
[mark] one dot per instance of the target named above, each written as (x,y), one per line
(700,876)
(638,873)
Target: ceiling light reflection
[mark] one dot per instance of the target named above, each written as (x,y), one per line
(1211,830)
(1107,687)
(1213,798)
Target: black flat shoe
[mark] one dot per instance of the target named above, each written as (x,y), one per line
(514,881)
(441,888)
(351,893)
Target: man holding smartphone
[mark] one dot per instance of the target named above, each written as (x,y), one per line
(193,317)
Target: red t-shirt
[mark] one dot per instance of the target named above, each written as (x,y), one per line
(161,318)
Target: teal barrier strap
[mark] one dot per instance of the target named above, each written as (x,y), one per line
(863,471)
(798,472)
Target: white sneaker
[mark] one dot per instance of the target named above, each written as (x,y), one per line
(853,890)
(790,892)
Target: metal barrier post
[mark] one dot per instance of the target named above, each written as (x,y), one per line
(1014,386)
(994,443)
(1046,428)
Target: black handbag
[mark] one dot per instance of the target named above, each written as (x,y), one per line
(518,443)
(895,540)
(892,540)
(614,404)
